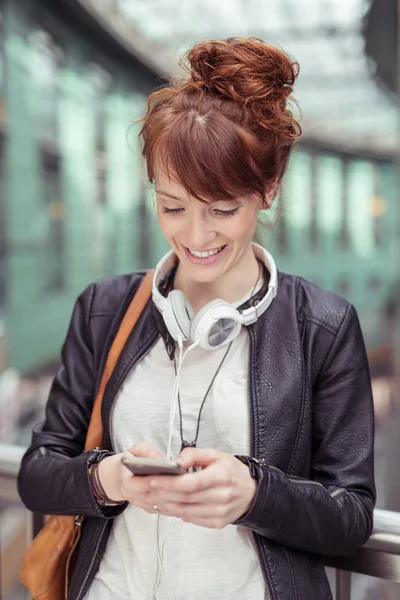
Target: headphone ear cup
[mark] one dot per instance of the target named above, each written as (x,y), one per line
(215,325)
(182,312)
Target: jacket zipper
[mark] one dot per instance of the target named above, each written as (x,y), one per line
(138,357)
(77,536)
(102,530)
(268,593)
(336,491)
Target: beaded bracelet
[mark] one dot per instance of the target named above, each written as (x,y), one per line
(98,490)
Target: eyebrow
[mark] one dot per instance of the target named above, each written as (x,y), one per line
(168,195)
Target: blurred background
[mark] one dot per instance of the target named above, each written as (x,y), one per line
(75,205)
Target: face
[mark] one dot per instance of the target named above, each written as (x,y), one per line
(210,239)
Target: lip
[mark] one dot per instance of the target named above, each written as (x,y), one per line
(210,260)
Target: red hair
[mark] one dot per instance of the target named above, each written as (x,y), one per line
(226,130)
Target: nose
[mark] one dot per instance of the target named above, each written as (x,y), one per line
(199,233)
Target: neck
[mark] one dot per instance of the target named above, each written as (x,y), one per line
(231,287)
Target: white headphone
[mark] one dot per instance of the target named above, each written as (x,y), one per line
(218,323)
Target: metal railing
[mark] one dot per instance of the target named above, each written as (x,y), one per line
(379,557)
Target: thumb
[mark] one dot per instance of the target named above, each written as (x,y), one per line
(145,450)
(198,457)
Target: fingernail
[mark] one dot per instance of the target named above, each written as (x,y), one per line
(179,460)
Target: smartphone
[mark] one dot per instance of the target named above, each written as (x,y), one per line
(151,466)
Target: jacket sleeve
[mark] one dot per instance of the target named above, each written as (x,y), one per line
(53,478)
(331,513)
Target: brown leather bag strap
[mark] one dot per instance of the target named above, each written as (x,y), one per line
(94,435)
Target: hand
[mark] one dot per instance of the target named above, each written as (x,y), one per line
(214,497)
(119,483)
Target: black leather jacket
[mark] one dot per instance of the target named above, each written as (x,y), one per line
(311,424)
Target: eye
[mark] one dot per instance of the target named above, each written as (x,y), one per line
(227,213)
(172,211)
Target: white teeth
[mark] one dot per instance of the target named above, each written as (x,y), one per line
(205,254)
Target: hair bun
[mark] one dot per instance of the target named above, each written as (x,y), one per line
(248,71)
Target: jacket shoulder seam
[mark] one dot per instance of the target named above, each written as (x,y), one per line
(328,354)
(315,319)
(320,323)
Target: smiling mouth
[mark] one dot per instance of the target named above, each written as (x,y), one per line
(206,253)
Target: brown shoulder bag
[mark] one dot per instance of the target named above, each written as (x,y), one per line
(45,564)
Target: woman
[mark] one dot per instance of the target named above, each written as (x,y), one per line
(274,407)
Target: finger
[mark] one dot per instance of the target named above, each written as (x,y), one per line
(145,449)
(191,483)
(134,485)
(214,495)
(198,457)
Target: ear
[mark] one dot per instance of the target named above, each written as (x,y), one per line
(270,193)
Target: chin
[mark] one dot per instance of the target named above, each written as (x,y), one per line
(200,275)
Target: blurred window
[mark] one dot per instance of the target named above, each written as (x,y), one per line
(3,228)
(378,207)
(343,286)
(101,82)
(361,187)
(46,60)
(101,195)
(55,210)
(329,184)
(344,200)
(282,228)
(374,283)
(3,247)
(313,200)
(2,71)
(317,280)
(298,192)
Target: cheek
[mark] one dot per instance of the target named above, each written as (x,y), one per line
(167,224)
(245,226)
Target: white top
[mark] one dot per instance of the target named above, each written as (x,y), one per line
(200,563)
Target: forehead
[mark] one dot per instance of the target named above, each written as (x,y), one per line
(164,177)
(167,181)
(191,178)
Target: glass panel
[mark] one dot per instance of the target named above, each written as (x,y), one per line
(3,233)
(2,72)
(3,245)
(101,82)
(55,270)
(378,208)
(45,61)
(361,188)
(298,191)
(329,185)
